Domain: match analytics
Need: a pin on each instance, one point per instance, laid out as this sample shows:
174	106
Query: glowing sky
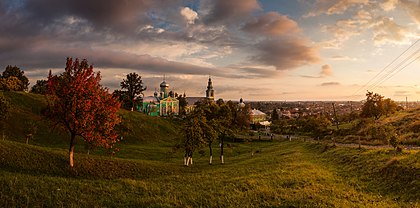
255	49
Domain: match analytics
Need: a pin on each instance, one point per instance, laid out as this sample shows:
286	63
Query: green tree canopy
374	106
275	115
40	87
14	71
389	106
134	87
182	104
10	84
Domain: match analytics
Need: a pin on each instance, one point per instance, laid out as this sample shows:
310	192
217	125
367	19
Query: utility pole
335	116
406	103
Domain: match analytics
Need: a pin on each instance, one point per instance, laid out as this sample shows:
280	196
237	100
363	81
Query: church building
209	96
162	104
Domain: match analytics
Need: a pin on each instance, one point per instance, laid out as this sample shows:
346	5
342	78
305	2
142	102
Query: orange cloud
286	54
326	70
273	24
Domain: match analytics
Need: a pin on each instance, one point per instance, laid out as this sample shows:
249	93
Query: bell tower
210	90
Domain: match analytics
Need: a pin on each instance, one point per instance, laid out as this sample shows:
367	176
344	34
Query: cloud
153	37
326	84
310	77
189	15
106	14
387	31
389	5
343	58
280	43
341	6
412	9
331	7
286	54
326	70
402	93
272	24
222	11
367	22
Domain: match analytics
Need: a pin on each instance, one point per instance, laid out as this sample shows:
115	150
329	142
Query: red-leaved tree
77	102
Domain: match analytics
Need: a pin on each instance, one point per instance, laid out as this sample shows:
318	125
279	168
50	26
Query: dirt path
405	147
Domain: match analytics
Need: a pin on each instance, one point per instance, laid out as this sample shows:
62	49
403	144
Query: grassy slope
149	172
278	174
27	107
406	124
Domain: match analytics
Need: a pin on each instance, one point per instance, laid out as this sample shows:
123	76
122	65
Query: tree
182	104
242	117
220	102
373	107
134	86
122	96
14	71
10	84
40	87
4	113
389	106
78	103
274	115
194	129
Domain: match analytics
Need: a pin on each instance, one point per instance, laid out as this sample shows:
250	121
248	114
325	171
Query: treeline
352	125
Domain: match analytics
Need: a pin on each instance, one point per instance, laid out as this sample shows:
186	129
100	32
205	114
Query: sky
273	50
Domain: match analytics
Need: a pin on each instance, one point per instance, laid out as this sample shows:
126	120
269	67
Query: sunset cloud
286	54
326	84
326	70
331	7
389	5
189	15
273	24
387	31
412	8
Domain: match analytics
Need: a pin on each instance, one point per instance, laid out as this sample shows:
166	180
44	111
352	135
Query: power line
383	69
398	71
380	81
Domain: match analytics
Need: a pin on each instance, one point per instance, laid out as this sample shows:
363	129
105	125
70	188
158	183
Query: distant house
257	116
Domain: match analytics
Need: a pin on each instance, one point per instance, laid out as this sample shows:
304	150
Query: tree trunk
186	158
71	150
132	105
211	154
221	151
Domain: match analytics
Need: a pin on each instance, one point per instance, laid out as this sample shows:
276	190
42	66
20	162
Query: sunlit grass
279	174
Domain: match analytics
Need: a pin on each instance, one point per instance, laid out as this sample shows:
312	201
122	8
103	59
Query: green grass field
148	171
259	174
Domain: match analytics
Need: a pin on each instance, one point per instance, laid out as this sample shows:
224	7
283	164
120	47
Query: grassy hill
148	170
406	124
283	174
27	107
